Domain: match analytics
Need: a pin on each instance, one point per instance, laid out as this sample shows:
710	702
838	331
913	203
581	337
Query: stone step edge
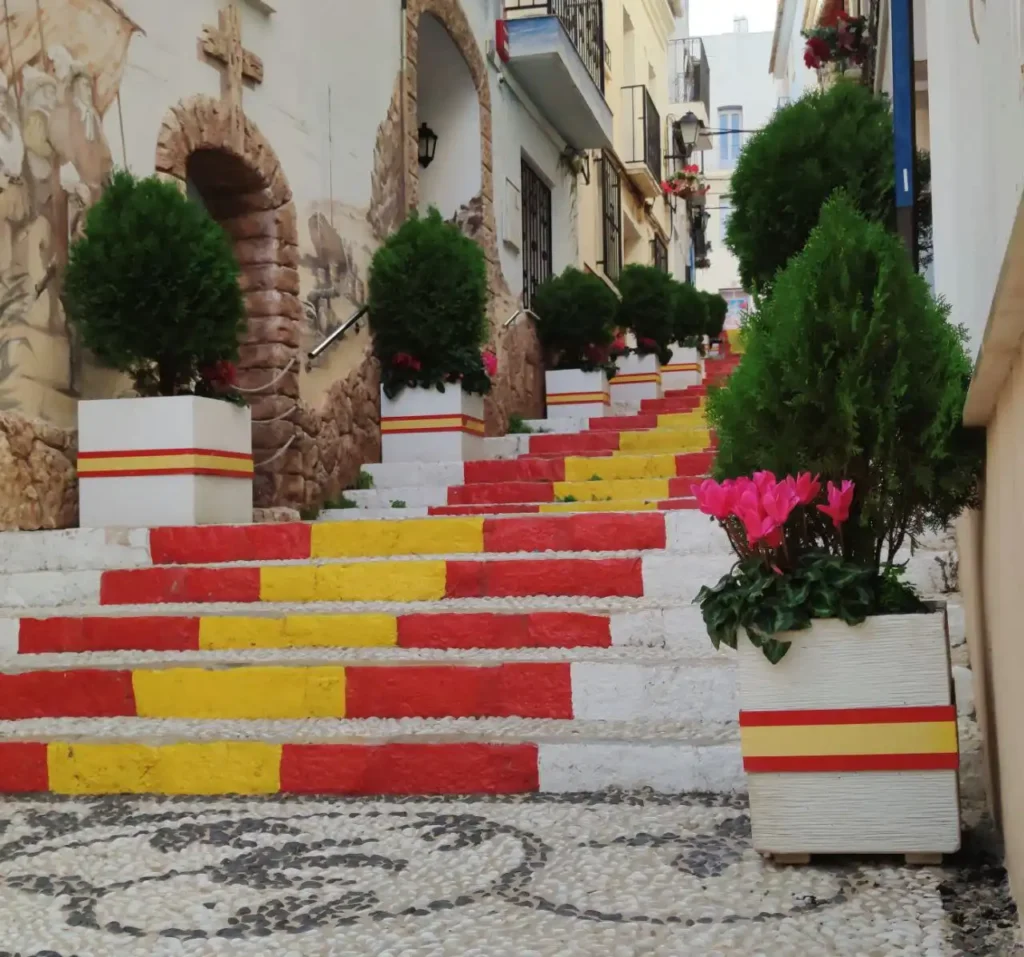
701	655
184	630
616	688
509	510
85	549
449	764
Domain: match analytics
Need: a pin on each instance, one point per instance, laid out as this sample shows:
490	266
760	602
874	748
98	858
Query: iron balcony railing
689	73
583	21
641	129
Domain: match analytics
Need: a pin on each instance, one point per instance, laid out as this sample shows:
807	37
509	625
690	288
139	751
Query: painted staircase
512	625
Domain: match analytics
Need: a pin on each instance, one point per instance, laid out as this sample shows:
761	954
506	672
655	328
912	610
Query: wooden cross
223	44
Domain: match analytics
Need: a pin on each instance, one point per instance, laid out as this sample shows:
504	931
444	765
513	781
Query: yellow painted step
408	537
584	469
613	506
663	440
643	489
220	767
366	581
298	631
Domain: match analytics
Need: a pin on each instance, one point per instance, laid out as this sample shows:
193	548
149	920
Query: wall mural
61	63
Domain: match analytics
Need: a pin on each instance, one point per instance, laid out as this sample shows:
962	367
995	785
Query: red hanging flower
402	360
222	374
490	361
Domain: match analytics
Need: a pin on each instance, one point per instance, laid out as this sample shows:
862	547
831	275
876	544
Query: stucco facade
299	134
976	91
636	38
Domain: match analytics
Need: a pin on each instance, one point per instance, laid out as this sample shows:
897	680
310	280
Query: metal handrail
338	333
520	312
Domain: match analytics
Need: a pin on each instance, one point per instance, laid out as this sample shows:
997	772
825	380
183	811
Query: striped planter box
573	392
178	460
684	369
638	378
850	743
424	425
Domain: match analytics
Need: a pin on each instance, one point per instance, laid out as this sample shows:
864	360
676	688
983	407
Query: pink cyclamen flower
714	499
839	501
490	361
764	480
805	486
778	502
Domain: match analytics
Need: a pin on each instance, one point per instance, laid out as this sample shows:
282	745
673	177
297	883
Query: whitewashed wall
977	140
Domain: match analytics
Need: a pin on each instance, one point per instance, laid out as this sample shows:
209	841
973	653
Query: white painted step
575	755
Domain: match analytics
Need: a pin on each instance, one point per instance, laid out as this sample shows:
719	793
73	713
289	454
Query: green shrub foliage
717	309
841	138
853	371
152	287
648	309
689	315
576	314
428	307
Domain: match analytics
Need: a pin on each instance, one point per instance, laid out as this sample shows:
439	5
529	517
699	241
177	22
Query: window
536	233
739	305
725	211
611	217
730	139
659	253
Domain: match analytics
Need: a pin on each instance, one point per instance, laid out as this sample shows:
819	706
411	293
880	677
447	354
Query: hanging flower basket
689	184
844	41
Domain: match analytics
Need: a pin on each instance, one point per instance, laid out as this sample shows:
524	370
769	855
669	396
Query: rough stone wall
38	483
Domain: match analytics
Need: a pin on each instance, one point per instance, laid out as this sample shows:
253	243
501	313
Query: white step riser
669	768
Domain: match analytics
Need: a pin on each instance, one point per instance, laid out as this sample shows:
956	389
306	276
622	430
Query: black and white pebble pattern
623	874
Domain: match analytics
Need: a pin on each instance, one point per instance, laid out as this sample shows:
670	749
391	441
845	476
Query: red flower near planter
402	360
648	345
221	375
490	361
618	346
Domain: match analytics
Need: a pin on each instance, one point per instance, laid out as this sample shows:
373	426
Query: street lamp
428	145
690	128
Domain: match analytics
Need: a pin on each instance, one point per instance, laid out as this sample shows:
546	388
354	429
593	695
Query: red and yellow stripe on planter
850	739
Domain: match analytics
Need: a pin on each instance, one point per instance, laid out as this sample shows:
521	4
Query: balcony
556	54
639	145
689	80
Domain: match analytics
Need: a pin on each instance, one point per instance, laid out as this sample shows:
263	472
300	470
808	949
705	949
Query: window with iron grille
659	253
536	233
611	217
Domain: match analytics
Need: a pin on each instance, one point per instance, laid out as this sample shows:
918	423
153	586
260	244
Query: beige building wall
636	41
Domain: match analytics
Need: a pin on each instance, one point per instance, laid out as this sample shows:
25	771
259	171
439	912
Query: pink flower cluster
764	503
490	361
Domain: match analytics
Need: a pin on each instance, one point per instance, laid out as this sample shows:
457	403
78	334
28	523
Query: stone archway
452	17
246	191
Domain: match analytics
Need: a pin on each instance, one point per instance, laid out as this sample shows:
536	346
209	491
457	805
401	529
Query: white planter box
850	742
176	460
424	425
638	378
685	368
575	393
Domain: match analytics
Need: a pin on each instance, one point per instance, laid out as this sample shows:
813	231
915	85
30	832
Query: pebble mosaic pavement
618	874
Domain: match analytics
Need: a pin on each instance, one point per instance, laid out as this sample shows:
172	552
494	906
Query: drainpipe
403	94
904	121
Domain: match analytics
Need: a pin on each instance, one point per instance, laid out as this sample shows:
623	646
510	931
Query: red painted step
535	468
444	631
624	423
669	406
671	504
583	577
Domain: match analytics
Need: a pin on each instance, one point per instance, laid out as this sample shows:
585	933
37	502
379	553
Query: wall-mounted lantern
428	145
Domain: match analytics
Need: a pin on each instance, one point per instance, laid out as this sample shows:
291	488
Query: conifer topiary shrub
648	309
689	316
428	307
717	309
152	287
841	138
576	314
853	371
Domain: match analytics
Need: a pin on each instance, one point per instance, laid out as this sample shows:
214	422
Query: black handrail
337	334
644	132
691	73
